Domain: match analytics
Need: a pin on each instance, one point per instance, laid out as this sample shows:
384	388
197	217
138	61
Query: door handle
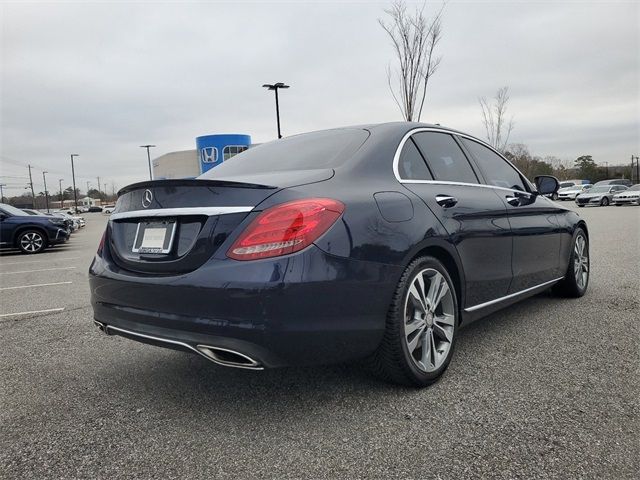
446	201
513	201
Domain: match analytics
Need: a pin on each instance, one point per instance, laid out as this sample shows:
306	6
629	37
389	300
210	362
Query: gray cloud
100	79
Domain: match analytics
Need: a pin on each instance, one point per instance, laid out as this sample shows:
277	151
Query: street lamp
275	88
46	194
73	175
148	158
60	184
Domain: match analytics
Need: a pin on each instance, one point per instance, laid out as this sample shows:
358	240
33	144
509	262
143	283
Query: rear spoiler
191	182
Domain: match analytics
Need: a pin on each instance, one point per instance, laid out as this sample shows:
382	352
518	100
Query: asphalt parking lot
548	388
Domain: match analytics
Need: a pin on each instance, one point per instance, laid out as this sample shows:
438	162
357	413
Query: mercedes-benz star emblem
147	198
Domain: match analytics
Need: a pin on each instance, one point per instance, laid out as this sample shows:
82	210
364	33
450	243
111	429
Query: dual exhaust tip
218	355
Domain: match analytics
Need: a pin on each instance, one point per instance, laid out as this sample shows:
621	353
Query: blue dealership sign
215	149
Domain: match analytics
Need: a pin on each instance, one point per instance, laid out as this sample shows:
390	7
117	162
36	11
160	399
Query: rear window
317	150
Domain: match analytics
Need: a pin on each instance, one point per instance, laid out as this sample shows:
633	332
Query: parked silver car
628	197
570	193
601	195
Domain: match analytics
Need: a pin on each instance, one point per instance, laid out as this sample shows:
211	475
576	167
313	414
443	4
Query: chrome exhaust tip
228	358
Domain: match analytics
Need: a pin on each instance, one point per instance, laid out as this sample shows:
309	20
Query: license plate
154	237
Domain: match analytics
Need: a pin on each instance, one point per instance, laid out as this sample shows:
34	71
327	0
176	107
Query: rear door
433	166
533	219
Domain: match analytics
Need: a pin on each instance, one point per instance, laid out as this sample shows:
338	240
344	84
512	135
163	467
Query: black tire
31	241
604	202
569	285
392	361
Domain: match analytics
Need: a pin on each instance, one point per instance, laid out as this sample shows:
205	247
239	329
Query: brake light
101	244
286	228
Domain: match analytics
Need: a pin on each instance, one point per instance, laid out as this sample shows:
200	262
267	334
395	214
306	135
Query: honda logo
209	154
147	198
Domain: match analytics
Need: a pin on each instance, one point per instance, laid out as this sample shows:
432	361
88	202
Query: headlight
57	223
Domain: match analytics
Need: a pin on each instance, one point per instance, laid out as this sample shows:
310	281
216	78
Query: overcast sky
100	79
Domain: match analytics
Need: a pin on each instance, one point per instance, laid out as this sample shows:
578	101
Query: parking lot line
39	270
38	261
36	285
48	310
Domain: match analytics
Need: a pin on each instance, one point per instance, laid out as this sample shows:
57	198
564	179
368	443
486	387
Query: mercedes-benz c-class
372	242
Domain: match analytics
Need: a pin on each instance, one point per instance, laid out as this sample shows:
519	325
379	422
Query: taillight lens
286	228
101	244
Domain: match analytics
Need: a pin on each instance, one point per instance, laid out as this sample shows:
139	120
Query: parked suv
30	233
615	181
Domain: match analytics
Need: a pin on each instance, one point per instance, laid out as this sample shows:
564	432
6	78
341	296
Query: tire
31	242
604	202
419	340
571	285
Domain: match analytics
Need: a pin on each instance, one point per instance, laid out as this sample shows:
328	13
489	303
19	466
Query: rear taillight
286	228
101	244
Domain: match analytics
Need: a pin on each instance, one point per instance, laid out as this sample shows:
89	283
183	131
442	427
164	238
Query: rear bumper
302	309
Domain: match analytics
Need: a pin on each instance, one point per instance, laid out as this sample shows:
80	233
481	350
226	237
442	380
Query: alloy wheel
429	320
31	242
581	261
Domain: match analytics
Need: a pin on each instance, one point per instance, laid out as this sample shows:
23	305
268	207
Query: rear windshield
317	150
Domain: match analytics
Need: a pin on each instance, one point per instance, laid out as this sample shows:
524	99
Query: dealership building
211	150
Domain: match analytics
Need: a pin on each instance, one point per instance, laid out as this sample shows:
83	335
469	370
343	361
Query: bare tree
494	118
414	39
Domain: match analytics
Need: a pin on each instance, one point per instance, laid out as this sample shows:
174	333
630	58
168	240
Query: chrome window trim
396	161
512	295
176	212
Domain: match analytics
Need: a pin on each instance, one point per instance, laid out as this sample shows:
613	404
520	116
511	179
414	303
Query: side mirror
546	184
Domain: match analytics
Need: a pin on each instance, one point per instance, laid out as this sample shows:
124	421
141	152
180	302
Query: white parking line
37	261
37	285
40	270
49	310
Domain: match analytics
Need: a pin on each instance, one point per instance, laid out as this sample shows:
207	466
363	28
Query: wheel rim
31	242
429	320
581	261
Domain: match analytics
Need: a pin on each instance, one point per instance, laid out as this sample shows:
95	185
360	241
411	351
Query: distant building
211	150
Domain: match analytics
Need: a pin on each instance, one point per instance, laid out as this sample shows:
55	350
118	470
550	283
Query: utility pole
637	168
148	158
46	194
73	175
33	194
99	185
61	200
88	182
1	192
275	88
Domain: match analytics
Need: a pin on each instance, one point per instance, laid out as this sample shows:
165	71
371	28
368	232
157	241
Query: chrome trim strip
176	212
507	297
106	329
396	160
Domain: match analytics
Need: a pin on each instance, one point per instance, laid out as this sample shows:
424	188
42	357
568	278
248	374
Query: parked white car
108	209
570	193
628	197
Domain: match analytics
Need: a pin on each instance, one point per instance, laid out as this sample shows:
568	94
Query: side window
411	165
496	169
231	151
444	157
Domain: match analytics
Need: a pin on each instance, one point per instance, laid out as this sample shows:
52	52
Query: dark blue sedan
374	242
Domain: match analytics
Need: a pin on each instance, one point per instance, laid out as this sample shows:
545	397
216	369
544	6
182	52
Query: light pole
275	88
60	184
73	175
1	192
148	158
46	194
637	167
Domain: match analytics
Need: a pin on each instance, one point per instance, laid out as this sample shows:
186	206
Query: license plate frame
169	227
